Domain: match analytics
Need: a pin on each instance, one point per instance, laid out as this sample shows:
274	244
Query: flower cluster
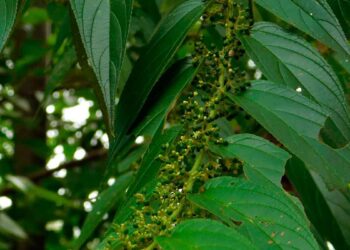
187	164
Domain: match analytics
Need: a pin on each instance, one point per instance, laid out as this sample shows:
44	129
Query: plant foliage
162	124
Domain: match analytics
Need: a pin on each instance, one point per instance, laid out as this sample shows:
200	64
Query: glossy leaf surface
204	234
289	60
264	160
314	17
266	215
296	122
103	26
153	62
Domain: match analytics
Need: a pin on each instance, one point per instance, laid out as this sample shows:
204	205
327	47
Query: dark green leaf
8	12
203	234
266	214
153	62
341	9
103	26
296	122
104	203
162	96
314	17
127	161
158	104
264	160
289	60
327	210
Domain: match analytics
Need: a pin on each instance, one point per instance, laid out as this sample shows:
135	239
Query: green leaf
8	12
327	210
284	109
151	8
264	161
103	26
10	228
131	158
158	104
104	203
296	122
341	9
152	63
151	164
204	234
162	96
289	60
313	17
264	213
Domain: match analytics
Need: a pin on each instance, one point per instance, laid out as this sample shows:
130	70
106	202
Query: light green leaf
153	62
9	227
103	26
264	160
287	59
8	12
296	122
313	17
204	234
104	203
264	213
327	210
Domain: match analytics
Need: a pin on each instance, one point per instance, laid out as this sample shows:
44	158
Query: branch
91	156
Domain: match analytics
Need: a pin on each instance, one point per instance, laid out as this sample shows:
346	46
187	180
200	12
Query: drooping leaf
8	12
289	60
204	234
104	203
264	213
327	210
296	122
313	17
103	26
153	62
264	160
9	227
